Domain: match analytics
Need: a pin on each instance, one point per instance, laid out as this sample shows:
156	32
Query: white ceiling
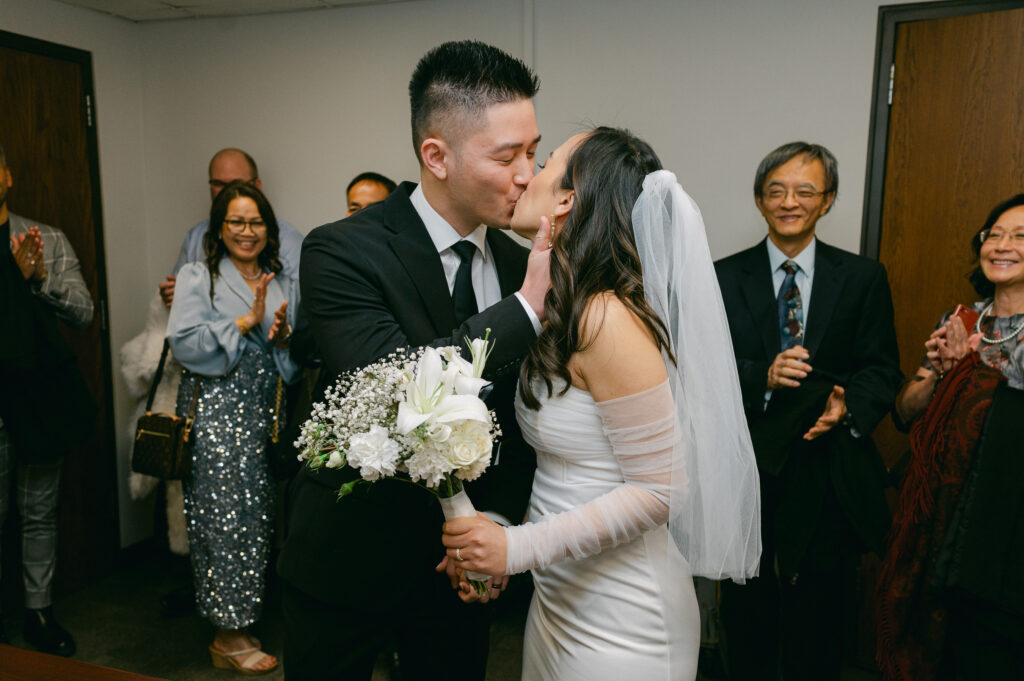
156	10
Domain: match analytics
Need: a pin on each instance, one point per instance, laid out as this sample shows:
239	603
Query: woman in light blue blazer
230	327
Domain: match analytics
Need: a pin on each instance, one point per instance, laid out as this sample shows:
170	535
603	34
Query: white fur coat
139	359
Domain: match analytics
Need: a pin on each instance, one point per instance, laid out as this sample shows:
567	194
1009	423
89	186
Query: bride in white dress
645	472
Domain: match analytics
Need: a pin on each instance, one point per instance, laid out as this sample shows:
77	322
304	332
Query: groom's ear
436	155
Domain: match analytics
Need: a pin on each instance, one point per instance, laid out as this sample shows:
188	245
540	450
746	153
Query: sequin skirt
229	497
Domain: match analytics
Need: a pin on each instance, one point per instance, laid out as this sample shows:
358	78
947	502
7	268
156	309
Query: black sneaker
44	633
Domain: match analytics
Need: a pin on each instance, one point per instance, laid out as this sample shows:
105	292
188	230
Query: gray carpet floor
117	622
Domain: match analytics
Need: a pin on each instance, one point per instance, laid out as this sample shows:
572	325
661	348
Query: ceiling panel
154	10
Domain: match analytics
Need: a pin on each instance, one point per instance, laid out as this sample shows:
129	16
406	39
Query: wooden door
48	134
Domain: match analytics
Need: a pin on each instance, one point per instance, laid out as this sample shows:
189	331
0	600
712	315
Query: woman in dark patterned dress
932	626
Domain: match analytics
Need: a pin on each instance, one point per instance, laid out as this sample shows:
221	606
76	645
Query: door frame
83	60
889	19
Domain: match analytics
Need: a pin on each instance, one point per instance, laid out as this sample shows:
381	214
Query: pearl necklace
249	277
996	341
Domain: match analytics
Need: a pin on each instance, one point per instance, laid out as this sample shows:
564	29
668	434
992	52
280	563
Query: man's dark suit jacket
371	284
852	343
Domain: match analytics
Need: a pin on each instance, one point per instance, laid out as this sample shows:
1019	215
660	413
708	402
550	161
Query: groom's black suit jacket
852	342
373	283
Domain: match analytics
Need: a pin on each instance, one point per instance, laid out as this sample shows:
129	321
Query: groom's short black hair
455	82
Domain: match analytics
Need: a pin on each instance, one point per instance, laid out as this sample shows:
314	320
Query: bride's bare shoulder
619	355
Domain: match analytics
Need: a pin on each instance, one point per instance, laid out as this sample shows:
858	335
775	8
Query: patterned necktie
791	308
463	296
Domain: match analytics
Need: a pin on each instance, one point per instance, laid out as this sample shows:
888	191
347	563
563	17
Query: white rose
438	432
469	444
335	460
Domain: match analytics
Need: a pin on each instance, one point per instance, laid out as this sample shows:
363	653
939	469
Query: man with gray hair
812	331
45	406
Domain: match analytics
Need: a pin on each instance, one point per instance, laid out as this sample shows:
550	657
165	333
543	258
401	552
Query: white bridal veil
714	512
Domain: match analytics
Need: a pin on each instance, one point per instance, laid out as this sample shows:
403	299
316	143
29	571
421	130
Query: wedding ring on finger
458	555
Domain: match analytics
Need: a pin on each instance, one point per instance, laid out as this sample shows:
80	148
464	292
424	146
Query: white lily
463	378
429	397
480	350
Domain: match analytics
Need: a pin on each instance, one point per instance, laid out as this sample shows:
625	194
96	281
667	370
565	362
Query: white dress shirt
484	271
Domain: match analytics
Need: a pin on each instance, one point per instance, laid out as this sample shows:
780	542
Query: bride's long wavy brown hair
593	253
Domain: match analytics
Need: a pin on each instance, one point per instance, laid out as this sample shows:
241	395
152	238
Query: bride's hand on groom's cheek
538	270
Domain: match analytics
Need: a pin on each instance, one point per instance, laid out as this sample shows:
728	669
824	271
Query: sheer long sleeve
642	430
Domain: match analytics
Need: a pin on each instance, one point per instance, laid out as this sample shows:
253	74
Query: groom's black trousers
437	636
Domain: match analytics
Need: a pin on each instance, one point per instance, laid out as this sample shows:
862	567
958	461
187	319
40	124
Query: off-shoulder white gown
626	613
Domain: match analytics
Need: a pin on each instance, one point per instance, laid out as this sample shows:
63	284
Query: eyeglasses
802	194
220	184
994	237
238	225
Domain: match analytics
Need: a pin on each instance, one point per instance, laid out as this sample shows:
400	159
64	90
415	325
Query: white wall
316	97
714	85
319	96
117	75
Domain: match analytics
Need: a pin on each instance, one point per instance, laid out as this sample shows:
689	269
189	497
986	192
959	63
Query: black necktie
791	308
463	296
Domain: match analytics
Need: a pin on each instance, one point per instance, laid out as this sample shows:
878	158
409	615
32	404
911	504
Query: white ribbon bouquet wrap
416	413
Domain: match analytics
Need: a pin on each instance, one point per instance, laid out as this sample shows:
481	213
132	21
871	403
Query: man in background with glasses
812	331
227	166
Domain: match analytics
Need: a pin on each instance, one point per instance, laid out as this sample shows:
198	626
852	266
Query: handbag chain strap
191	418
275	425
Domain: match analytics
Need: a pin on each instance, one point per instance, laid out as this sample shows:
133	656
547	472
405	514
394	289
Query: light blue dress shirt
202	331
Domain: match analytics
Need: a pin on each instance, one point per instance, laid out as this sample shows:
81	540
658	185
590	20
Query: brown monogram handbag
162	440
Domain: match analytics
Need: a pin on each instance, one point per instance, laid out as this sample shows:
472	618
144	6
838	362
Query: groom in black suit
812	329
420	268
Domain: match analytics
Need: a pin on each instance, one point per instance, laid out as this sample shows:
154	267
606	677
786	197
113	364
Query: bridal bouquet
416	413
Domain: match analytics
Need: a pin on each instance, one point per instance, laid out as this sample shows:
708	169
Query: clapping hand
281	332
27	250
254	317
835	411
789	368
948	344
